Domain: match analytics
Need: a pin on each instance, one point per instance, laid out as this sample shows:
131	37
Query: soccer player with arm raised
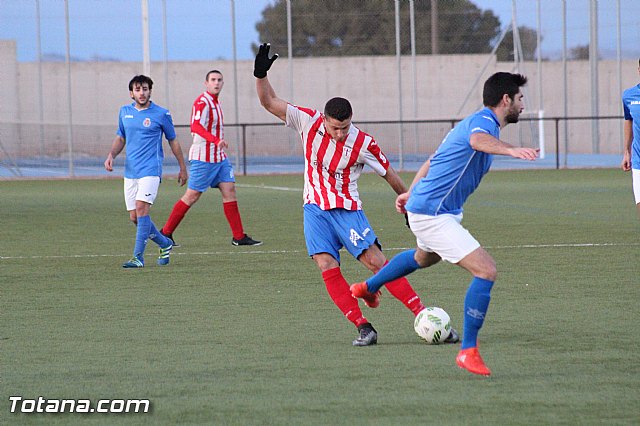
140	128
335	153
434	207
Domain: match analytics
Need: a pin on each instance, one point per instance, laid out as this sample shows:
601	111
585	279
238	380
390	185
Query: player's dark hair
140	79
206	78
499	84
338	108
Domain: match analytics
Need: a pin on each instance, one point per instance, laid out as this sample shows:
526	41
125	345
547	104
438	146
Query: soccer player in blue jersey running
140	127
434	207
631	156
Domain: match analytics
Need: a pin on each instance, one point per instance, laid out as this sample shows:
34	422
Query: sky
201	29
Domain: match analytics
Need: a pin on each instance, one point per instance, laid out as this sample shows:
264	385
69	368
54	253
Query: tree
580	52
528	40
367	27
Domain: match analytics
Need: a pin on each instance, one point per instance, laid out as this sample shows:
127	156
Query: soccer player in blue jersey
631	156
140	128
434	207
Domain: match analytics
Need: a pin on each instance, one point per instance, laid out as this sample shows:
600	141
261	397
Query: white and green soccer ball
432	325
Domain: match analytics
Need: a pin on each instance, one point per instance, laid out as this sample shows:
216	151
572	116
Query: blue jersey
631	104
142	132
456	168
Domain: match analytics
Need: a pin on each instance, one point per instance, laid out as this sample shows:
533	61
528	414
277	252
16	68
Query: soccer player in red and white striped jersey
335	153
209	166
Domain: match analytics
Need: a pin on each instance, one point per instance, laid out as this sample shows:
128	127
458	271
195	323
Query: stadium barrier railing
43	150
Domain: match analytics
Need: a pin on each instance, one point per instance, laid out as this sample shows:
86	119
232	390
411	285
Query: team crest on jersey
355	237
146	122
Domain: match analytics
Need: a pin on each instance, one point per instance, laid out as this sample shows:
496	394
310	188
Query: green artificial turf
249	336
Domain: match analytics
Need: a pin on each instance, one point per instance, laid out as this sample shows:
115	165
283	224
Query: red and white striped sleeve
200	120
298	118
373	156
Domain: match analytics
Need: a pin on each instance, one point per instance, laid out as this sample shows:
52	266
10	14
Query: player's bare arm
422	172
401	201
268	98
116	148
486	143
395	181
177	152
628	138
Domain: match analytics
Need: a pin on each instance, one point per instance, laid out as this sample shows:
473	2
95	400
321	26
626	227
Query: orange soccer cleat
361	291
470	360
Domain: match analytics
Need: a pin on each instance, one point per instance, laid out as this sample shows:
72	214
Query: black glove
406	220
263	62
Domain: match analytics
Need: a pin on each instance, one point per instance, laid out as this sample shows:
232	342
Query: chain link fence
410	68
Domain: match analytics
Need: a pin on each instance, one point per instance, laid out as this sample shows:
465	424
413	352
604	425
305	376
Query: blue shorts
327	231
203	175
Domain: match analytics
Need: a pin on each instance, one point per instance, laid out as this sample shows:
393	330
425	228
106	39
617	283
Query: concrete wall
100	88
9	106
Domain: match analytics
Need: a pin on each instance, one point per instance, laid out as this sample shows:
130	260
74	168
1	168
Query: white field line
542	246
217	253
275	188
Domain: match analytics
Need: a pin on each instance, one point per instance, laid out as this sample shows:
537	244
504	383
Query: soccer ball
432	325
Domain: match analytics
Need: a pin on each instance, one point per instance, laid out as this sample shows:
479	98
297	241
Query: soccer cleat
452	337
163	259
470	360
245	241
361	291
368	335
170	236
134	262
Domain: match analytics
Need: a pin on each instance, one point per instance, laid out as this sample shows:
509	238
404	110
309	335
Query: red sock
233	217
402	290
338	289
179	210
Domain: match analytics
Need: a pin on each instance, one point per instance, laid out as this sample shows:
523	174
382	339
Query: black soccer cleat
170	236
245	241
368	335
452	337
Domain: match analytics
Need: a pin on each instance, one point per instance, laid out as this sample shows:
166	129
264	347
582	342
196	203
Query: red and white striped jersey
332	168
207	128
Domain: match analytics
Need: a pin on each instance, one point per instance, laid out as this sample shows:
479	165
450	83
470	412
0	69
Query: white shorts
636	184
143	189
443	235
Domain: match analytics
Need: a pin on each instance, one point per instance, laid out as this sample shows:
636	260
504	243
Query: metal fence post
557	120
244	149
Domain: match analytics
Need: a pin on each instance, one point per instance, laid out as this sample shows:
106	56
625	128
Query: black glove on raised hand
263	62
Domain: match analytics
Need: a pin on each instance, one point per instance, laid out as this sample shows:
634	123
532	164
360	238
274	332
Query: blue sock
157	237
142	234
476	303
401	265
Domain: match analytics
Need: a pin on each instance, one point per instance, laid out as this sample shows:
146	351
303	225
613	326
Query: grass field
232	335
